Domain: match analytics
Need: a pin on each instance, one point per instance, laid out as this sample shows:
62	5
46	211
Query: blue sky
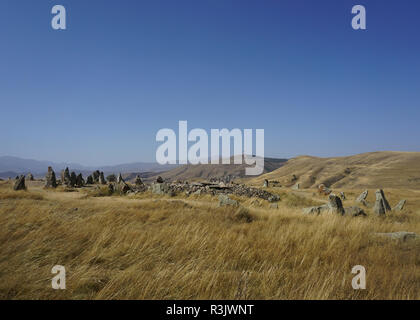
98	92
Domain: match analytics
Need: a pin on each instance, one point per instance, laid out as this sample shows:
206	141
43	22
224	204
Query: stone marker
400	235
20	184
51	181
265	183
102	178
362	196
335	205
30	177
138	181
399	206
381	204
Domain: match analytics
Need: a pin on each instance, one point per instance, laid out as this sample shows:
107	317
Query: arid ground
149	246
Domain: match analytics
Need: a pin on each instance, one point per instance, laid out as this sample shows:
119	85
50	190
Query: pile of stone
161	187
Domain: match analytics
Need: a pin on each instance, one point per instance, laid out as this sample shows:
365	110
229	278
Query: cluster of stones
161	187
72	180
335	205
121	187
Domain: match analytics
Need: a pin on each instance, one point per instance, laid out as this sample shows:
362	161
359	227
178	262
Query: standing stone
65	176
120	179
342	196
80	182
335	205
51	181
381	204
159	179
20	184
265	183
399	206
102	178
362	196
30	177
95	176
138	181
73	180
89	180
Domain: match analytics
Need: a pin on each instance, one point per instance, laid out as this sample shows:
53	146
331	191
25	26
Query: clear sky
98	92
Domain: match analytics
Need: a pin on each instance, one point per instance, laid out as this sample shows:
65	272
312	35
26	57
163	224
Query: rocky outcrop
20	184
50	180
381	206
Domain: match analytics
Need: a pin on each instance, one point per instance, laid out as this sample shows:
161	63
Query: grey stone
399	206
400	235
296	186
265	183
381	206
120	179
138	181
73	180
362	196
102	178
342	196
159	179
30	177
50	180
354	212
89	180
80	182
315	210
20	184
335	205
224	200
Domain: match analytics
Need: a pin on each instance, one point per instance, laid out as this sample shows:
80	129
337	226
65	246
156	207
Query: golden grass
153	247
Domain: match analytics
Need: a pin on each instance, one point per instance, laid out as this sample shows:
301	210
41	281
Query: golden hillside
367	170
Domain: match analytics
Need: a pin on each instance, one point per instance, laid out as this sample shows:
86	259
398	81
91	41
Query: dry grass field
159	247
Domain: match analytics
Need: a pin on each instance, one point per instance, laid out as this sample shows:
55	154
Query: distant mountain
208	171
13	166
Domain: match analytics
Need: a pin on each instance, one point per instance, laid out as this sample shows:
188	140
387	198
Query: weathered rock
120	178
342	196
20	184
65	176
274	206
315	210
362	196
111	178
101	178
96	175
50	180
400	235
80	182
138	181
160	188
159	179
73	180
89	180
381	206
296	186
30	177
354	212
224	200
335	205
265	183
399	206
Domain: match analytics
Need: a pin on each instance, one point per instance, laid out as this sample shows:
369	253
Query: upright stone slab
50	180
20	184
381	206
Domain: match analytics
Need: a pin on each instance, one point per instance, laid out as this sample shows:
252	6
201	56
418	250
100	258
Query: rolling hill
368	170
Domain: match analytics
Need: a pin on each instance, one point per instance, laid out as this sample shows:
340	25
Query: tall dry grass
153	247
